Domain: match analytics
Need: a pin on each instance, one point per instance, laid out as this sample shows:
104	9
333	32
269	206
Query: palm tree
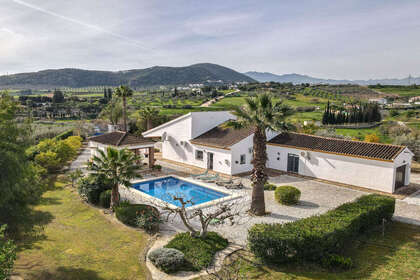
112	111
118	167
261	113
124	92
148	114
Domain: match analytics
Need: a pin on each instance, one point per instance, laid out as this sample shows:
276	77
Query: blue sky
327	39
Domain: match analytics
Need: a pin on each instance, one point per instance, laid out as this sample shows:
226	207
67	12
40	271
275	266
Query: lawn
394	256
75	241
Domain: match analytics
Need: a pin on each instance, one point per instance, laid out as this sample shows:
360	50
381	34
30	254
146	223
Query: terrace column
151	156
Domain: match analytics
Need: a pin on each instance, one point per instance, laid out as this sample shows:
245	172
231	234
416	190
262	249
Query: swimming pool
168	187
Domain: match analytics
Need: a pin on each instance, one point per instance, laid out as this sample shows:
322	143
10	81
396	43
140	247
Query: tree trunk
149	123
258	176
115	197
125	113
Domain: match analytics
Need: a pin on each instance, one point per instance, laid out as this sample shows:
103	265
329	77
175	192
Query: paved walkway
81	160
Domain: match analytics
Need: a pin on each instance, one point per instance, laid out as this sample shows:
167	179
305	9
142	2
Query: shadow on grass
66	273
373	255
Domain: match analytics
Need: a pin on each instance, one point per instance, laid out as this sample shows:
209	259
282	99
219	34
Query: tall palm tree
261	113
113	111
149	114
124	92
118	167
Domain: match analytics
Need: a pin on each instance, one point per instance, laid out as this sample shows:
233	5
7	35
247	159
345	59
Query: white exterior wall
242	148
221	159
373	174
404	158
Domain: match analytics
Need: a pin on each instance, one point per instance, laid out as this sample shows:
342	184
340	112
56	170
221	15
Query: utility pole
409	79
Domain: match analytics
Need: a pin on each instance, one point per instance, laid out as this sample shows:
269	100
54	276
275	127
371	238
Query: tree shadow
306	205
31	228
49	201
66	273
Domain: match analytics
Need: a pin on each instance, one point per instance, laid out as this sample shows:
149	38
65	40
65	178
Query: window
243	159
199	155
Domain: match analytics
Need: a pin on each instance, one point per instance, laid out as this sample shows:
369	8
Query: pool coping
230	195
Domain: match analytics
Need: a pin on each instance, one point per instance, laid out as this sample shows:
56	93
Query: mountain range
148	77
298	79
170	76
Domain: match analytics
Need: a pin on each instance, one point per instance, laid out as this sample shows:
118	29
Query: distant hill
153	76
298	79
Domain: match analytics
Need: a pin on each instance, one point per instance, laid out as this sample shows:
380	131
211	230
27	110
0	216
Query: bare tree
217	214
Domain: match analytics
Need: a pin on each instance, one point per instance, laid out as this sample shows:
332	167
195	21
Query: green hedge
287	195
198	252
269	187
127	213
319	236
64	135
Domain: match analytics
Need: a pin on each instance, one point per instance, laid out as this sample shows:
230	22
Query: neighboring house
200	139
414	99
123	140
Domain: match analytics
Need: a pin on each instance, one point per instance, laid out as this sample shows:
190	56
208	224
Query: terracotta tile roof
338	146
120	138
220	137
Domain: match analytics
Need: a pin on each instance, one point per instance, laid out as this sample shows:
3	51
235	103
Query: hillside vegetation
154	76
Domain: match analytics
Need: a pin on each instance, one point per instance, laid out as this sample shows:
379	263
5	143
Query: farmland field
401	91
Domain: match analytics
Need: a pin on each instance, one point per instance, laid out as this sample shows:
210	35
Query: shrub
167	259
319	236
157	167
7	254
64	135
48	160
105	199
334	261
198	252
128	213
91	187
148	220
269	187
287	195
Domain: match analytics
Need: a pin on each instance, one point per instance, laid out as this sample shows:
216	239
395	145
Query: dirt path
208	103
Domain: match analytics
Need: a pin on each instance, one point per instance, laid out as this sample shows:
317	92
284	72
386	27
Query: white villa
199	139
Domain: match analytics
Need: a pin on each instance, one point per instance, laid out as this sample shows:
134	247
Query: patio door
400	177
210	161
292	163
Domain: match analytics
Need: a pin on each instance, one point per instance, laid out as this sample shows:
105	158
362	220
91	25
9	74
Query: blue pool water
168	187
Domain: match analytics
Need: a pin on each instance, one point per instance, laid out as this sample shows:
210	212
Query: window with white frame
199	155
243	159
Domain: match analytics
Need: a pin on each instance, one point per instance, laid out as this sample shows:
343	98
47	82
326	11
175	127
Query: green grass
394	256
401	91
76	241
362	132
198	252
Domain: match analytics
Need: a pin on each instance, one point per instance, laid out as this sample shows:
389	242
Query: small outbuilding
123	140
